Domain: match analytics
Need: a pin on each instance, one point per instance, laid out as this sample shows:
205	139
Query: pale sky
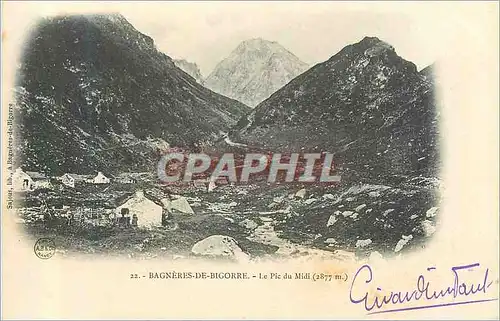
206	32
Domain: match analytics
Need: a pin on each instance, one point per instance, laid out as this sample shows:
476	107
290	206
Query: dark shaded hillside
428	72
366	104
95	93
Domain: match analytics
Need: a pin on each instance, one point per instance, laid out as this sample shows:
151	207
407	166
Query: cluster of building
30	181
139	209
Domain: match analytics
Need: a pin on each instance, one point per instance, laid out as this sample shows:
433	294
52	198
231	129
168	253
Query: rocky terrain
287	221
95	93
254	71
191	69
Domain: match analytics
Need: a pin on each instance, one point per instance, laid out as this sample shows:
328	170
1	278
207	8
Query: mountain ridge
366	104
95	93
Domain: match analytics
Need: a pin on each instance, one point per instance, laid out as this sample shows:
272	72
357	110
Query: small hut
147	210
100	178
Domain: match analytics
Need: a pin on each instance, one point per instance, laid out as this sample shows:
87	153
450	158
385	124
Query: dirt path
228	141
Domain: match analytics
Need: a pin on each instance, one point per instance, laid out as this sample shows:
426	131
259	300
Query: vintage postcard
250	160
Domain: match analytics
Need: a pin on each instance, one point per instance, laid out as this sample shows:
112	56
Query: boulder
249	224
310	201
328	197
360	207
386	212
363	243
211	186
180	205
330	240
428	227
347	213
332	220
301	193
431	212
219	246
402	242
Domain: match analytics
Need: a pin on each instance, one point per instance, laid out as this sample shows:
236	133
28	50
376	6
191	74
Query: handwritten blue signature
423	291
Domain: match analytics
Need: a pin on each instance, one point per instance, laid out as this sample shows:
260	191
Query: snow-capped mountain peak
191	69
255	70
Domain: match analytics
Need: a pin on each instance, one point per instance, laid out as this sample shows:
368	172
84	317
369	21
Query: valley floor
266	222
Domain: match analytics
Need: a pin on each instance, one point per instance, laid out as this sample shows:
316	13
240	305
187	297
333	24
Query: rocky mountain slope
191	69
428	72
254	71
369	106
95	93
377	114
